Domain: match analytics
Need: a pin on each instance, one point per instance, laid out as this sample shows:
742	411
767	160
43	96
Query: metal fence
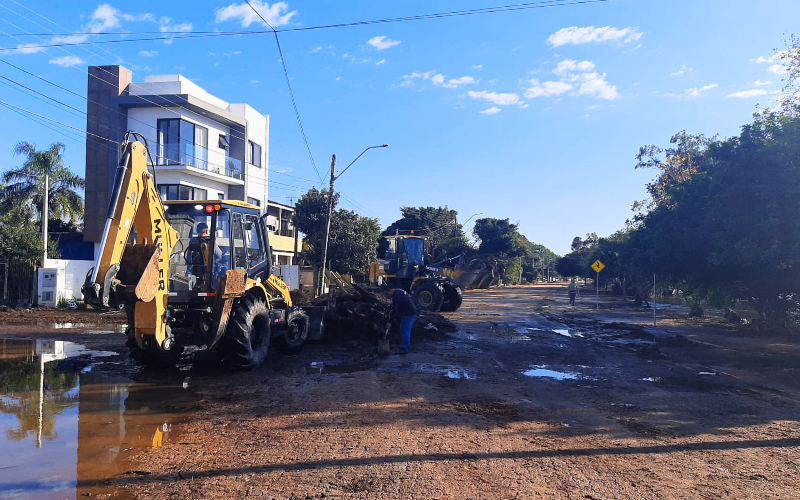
16	283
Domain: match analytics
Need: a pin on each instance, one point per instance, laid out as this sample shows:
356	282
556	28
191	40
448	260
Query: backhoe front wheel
248	333
428	296
294	336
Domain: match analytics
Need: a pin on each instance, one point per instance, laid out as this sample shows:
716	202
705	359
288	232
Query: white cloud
253	81
776	69
595	84
67	61
491	111
433	76
181	27
382	61
404	84
771	59
104	18
577	36
148	53
759	83
546	89
681	71
695	92
744	94
382	42
276	14
569	65
477	66
454	83
315	49
28	48
496	98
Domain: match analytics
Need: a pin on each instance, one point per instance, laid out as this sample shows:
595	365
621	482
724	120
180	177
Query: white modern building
203	146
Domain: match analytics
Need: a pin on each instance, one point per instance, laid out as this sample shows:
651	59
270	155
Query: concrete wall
256	185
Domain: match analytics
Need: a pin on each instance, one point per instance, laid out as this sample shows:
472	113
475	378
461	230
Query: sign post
597	266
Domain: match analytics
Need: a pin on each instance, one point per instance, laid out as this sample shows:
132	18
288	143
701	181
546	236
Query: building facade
204	148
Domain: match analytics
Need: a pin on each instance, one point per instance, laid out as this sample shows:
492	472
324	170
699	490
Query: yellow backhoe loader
192	273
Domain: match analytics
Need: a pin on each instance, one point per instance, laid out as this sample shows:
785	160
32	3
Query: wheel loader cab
214	236
404	256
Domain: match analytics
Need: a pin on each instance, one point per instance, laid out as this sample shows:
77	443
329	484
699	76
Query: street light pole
334	177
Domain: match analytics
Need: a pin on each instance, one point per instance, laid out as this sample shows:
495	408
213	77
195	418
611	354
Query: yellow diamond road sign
598	266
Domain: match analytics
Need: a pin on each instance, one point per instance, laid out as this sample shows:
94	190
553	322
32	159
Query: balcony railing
199	159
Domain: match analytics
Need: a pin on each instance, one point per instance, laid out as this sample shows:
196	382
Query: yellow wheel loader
192	273
403	267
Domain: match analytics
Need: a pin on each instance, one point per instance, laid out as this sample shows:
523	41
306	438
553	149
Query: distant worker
573	291
403	309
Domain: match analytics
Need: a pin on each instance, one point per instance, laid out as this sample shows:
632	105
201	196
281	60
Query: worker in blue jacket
403	309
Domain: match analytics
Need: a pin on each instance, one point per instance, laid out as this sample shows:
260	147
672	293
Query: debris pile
358	311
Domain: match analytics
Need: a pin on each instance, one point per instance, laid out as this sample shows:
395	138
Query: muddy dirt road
528	399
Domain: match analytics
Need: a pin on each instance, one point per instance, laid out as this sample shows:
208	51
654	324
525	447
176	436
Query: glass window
220	196
223	142
169	139
201	147
255	154
184	193
254	201
200	194
192	256
247	242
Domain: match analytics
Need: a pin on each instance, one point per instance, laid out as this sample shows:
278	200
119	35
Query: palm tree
25	185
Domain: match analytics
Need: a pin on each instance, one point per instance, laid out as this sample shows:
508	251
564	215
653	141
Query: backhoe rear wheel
248	333
295	335
452	297
428	296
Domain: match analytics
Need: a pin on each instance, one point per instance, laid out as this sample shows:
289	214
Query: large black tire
452	297
294	336
428	296
248	334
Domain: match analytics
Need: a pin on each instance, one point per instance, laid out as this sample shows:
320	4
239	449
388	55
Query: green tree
353	238
731	226
25	185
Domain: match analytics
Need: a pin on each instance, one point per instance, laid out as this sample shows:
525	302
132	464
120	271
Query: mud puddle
71	417
96	328
449	371
541	371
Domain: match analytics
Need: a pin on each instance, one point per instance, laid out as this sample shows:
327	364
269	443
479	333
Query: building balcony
198	159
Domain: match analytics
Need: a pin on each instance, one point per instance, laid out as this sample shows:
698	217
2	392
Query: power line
205	34
291	93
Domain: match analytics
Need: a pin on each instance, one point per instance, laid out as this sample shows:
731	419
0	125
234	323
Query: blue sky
533	115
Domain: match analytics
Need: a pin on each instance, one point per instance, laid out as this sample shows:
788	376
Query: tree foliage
721	220
25	185
353	238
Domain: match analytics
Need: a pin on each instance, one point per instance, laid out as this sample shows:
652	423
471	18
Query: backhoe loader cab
192	273
403	267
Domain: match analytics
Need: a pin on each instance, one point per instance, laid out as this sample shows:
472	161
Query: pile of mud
359	312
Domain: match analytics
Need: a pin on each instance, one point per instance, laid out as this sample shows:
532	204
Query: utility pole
45	216
330	209
328	228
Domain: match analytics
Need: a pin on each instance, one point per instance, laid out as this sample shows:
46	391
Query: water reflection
69	429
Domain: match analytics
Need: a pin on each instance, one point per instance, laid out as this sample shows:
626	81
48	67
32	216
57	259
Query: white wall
256	185
71	276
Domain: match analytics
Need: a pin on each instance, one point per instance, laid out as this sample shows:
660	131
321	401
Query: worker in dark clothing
403	309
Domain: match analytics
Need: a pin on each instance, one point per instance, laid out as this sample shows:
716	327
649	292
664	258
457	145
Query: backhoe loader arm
135	274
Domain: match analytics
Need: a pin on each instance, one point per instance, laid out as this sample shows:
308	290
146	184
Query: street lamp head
384	145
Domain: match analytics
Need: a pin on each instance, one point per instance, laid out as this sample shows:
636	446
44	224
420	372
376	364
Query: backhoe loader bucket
138	272
316	322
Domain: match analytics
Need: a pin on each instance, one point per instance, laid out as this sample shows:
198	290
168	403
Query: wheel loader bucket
316	322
